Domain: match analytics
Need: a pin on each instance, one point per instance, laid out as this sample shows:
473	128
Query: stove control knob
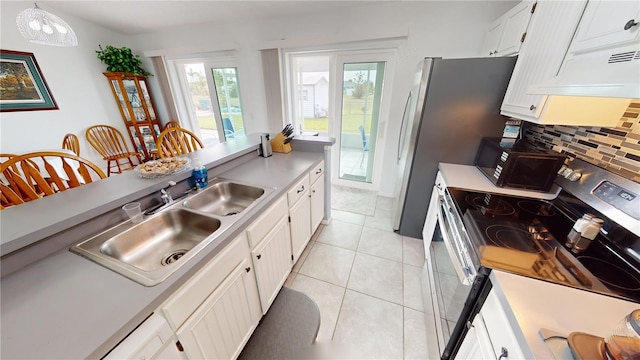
575	176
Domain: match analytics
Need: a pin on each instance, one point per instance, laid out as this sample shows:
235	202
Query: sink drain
173	257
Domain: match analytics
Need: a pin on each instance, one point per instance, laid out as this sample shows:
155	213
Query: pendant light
42	27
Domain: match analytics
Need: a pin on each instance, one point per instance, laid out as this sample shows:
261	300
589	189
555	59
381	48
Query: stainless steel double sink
149	251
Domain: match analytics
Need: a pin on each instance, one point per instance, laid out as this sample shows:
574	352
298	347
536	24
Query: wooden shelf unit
138	112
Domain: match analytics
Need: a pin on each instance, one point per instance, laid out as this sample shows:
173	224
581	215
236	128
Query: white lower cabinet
306	209
476	344
272	260
299	216
490	336
222	325
216	311
317	203
503	338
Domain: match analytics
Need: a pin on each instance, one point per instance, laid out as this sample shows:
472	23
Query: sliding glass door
344	95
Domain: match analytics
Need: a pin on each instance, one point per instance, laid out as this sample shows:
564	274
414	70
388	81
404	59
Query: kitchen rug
287	330
353	200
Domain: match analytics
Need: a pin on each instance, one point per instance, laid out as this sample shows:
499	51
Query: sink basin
224	198
161	240
148	252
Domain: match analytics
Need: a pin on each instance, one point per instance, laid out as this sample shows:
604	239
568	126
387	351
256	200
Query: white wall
74	76
435	28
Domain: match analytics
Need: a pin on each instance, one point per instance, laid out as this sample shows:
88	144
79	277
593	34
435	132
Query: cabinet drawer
189	297
316	173
300	189
500	331
259	228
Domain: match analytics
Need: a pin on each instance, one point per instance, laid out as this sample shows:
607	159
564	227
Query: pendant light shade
42	27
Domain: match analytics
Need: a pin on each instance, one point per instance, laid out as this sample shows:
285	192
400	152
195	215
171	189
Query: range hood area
610	73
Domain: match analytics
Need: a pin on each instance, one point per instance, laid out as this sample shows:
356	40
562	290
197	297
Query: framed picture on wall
22	86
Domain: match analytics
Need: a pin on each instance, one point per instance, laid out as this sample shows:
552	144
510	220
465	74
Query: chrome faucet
165	195
166	198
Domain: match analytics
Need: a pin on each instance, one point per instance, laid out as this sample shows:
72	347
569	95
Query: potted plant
121	60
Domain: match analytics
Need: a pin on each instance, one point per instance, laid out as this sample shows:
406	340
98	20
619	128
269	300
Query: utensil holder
278	145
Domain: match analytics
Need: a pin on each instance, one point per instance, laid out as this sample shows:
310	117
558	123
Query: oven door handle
452	249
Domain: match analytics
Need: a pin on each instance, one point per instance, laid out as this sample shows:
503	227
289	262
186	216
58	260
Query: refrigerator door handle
404	116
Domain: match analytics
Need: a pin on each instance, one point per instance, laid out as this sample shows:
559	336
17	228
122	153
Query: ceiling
143	16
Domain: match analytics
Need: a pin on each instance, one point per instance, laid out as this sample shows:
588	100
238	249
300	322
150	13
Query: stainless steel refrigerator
452	105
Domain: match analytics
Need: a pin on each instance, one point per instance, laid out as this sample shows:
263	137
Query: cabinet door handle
469	325
631	23
491	53
532	107
258	256
319	171
301	189
247	269
504	353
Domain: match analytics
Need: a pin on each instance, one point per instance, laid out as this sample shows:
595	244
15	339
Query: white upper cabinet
492	38
506	34
549	35
606	24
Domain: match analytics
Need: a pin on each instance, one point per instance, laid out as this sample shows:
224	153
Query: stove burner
514	238
490	205
610	274
537	208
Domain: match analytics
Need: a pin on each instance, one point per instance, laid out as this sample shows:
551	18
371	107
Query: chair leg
108	168
119	169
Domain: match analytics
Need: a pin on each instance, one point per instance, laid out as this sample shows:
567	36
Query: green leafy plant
121	60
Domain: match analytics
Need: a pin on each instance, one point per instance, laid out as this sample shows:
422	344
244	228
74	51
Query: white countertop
469	177
532	304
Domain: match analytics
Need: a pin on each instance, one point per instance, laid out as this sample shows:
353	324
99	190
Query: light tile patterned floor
365	280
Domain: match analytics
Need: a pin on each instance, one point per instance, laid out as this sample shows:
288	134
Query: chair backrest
365	145
171	124
177	141
107	140
22	179
70	142
227	125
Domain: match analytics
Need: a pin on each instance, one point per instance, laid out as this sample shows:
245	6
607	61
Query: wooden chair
177	141
23	181
70	142
109	143
171	124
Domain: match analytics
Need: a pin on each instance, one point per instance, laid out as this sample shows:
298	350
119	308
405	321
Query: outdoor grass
351	119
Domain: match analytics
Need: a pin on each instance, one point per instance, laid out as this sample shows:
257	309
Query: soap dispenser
200	176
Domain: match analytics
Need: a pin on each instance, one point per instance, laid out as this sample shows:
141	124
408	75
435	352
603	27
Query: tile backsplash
617	148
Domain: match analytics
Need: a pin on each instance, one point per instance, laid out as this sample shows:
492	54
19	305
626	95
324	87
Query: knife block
278	145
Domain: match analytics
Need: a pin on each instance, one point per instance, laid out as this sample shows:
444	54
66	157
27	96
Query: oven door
444	278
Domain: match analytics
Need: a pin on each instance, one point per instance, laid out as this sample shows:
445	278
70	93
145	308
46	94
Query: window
208	96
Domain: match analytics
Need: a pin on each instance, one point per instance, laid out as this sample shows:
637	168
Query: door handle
406	105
